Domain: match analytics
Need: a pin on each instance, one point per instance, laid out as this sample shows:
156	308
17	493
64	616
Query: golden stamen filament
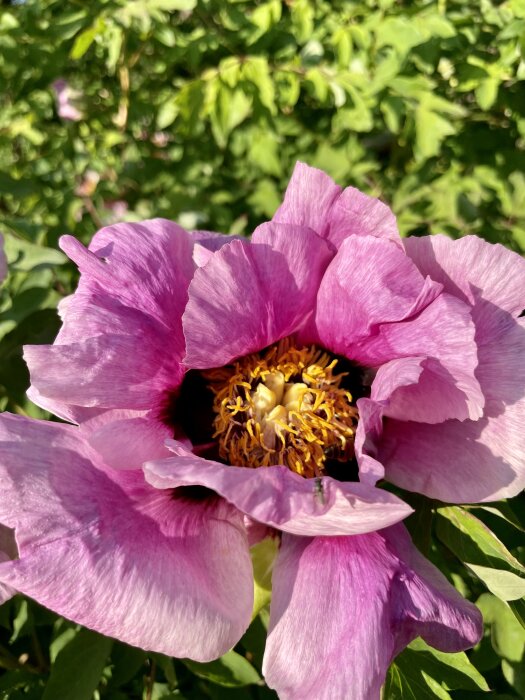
284	406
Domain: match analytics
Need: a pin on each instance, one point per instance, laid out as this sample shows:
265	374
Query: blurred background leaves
196	110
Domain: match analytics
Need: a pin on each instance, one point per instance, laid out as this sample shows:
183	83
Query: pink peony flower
66	97
322	349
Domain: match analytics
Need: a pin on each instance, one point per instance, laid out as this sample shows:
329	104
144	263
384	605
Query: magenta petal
420	389
106	371
154	569
250	295
121	342
308	199
355	213
472	269
68	412
313	199
126	439
207	243
343	607
282	499
146	266
472	461
483	460
369	282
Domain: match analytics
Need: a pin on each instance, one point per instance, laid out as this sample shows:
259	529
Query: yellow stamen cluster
283	406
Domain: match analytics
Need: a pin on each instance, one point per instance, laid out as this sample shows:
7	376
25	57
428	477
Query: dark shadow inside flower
193	493
8	545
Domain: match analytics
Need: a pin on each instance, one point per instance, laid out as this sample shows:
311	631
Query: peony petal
250	295
308	199
475	460
355	213
282	499
121	342
159	570
146	266
68	412
110	371
472	269
127	439
343	607
420	389
443	332
313	199
369	282
207	243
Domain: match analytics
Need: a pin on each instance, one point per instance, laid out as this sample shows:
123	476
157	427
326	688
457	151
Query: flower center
285	405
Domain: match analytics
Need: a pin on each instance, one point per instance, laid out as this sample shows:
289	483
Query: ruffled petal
109	371
145	266
472	461
473	270
369	282
8	552
308	199
421	389
313	199
121	341
282	499
343	607
207	243
126	439
160	570
355	213
250	295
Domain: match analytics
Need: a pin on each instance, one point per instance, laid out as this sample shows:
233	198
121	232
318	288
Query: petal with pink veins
162	570
281	498
343	607
313	199
121	341
126	439
308	199
249	295
369	282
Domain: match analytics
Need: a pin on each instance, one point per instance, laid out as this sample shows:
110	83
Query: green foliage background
196	110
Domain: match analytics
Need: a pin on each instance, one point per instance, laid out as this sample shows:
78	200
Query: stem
150	680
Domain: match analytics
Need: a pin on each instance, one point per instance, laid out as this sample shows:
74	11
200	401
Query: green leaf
167	113
454	671
302	19
232	670
423	672
507	635
256	70
481	551
407	683
25	257
431	130
263	556
77	670
86	38
172	5
518	608
487	92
